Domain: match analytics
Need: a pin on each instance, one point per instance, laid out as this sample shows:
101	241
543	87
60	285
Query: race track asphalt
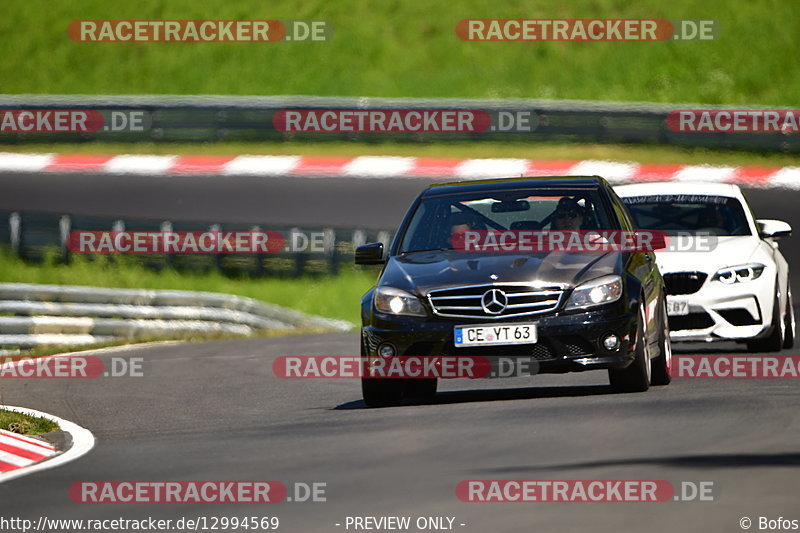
216	411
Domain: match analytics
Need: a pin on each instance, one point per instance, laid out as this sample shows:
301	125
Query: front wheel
773	342
381	392
788	339
421	389
661	364
636	376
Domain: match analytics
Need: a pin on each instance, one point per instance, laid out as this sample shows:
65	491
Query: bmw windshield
689	213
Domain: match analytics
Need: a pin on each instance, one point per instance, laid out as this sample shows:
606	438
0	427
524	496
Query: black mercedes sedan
521	273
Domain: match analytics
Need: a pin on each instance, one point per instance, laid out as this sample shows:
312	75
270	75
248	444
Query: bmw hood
725	252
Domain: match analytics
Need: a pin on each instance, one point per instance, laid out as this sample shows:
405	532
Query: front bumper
566	342
725	312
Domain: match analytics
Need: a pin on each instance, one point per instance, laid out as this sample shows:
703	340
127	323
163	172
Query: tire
789	330
774	341
661	364
422	389
636	376
381	392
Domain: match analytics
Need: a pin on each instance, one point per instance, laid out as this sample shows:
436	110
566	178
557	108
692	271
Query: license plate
495	334
677	307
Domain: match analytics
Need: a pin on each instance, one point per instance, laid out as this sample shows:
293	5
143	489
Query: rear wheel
661	364
774	341
636	376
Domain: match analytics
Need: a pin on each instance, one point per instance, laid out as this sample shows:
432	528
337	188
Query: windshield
689	213
437	219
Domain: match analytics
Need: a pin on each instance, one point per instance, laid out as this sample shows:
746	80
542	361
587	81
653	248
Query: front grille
542	352
701	320
421	349
538	351
520	300
578	347
684	282
546	349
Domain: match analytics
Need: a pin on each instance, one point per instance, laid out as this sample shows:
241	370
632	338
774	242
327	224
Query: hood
729	251
422	271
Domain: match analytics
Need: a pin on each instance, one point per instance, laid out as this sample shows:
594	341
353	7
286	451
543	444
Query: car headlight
739	274
397	302
596	292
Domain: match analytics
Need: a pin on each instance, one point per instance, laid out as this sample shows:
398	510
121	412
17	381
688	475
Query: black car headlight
397	302
739	274
595	292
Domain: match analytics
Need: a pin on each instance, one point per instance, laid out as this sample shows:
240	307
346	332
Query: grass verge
410	49
25	424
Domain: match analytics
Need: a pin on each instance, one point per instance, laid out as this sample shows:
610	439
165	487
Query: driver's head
459	222
568	215
711	216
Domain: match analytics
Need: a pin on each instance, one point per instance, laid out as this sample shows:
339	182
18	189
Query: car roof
679	187
544	182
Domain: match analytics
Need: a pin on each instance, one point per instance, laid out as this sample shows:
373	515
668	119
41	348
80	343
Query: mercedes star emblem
494	301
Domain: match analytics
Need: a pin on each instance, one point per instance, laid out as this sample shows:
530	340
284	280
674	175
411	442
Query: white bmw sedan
725	276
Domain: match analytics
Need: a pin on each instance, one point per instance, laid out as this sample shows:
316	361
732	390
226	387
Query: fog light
611	342
386	350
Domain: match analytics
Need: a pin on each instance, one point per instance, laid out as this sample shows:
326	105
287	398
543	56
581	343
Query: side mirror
370	254
773	228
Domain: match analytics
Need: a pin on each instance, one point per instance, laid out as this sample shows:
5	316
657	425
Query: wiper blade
428	250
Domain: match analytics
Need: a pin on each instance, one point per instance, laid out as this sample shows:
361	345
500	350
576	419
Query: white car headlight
596	292
738	274
397	302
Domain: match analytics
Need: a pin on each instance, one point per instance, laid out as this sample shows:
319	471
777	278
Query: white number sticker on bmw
677	307
495	334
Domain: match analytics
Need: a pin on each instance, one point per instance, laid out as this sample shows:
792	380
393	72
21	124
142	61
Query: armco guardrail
57	314
230	118
32	235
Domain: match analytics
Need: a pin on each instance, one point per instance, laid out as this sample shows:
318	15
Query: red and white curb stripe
17	451
21	455
395	167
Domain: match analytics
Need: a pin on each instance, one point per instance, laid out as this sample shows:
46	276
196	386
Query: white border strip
616	172
82	442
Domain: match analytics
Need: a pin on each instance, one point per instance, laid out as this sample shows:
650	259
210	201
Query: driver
459	223
568	215
711	217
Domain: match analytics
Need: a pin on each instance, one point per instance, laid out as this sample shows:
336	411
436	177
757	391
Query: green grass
525	150
25	424
410	48
334	297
